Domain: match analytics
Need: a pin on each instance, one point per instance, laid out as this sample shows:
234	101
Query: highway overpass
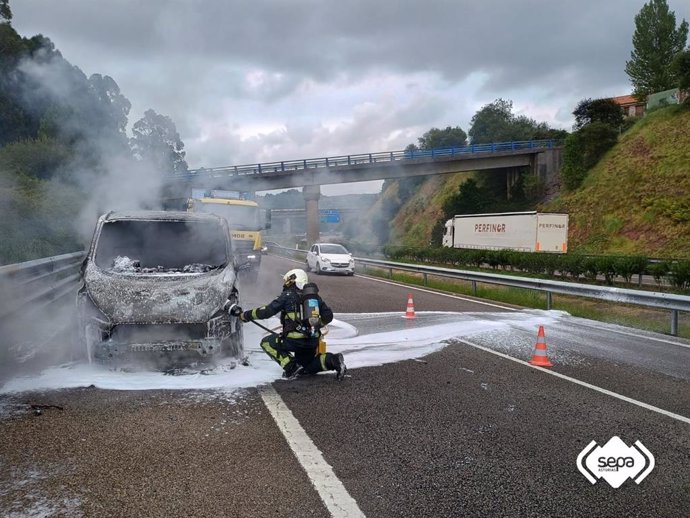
540	157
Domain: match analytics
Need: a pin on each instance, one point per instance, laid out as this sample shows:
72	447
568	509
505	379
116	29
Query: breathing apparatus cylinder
310	306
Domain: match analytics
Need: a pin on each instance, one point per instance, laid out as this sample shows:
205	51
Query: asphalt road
461	432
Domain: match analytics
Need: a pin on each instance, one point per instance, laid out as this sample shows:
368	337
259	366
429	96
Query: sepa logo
615	462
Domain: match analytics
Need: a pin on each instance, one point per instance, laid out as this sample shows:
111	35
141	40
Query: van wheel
318	268
307	267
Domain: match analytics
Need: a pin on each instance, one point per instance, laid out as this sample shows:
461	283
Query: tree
437	138
492	123
598	110
155	140
656	42
496	122
681	68
471	198
115	104
5	11
111	108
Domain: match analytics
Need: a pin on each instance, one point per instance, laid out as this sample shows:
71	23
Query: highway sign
329	215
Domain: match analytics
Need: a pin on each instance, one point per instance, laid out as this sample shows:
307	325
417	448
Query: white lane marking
582	383
334	495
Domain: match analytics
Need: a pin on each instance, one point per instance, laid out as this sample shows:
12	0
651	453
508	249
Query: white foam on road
365	340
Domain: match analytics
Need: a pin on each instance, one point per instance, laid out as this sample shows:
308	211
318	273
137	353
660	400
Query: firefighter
302	314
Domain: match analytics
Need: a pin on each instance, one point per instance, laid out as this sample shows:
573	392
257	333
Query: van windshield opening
162	246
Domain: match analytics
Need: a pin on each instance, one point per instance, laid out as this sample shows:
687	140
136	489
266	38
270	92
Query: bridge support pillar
512	177
311	194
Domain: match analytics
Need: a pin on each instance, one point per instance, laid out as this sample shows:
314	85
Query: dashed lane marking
332	492
627	399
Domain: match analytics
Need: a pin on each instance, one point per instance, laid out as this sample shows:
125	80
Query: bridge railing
289	166
667	301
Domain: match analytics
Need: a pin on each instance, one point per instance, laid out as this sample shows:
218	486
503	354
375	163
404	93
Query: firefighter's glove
235	310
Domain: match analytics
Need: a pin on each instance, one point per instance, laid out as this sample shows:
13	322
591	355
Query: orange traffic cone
409	313
539	357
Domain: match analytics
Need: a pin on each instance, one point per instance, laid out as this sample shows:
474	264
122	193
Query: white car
329	257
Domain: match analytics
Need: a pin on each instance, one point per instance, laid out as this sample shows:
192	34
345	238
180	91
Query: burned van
156	286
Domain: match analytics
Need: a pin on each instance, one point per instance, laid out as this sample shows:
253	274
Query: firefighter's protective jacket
289	305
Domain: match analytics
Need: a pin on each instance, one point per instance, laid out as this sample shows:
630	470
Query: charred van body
155	286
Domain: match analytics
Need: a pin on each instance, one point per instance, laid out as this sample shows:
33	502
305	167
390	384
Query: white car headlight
326	260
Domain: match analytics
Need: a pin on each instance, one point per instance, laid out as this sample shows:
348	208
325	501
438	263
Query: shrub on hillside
679	274
590	268
626	267
572	265
659	271
606	266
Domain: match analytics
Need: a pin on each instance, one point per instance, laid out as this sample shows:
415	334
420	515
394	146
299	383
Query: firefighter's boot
339	366
292	369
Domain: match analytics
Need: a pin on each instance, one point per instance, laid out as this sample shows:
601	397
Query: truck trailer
522	231
245	218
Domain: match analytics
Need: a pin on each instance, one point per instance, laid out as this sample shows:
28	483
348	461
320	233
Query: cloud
249	81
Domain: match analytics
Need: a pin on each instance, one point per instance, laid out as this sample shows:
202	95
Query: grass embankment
634	316
636	200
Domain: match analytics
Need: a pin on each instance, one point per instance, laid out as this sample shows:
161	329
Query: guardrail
673	303
36	311
38	283
288	166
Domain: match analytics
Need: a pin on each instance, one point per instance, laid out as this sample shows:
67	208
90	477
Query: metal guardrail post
426	280
474	288
549	300
674	322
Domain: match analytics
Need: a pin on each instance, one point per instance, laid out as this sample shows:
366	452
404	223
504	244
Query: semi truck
522	231
245	219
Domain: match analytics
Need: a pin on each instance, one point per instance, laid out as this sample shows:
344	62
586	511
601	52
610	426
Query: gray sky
274	80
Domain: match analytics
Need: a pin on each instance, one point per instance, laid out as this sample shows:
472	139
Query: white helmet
297	277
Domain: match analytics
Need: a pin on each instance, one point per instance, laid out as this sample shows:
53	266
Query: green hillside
412	224
636	200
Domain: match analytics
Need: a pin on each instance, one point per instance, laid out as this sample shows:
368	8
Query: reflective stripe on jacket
288	304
